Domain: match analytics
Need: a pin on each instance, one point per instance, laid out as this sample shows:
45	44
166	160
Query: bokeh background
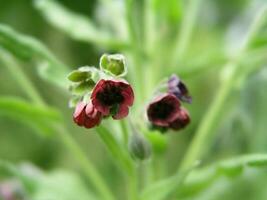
218	32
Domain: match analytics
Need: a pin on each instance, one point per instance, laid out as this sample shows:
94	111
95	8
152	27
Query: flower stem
125	131
186	30
67	139
205	131
89	170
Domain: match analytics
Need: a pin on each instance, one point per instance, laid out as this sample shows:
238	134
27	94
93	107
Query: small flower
181	121
163	110
113	97
179	89
86	115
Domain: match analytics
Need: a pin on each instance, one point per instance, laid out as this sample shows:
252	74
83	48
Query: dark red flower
113	97
181	121
163	110
86	115
179	89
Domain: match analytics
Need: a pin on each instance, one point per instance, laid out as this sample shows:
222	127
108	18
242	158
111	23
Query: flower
86	115
113	97
179	89
181	121
163	110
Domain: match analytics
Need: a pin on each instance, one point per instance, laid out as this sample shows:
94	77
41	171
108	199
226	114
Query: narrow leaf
201	179
28	48
76	26
38	117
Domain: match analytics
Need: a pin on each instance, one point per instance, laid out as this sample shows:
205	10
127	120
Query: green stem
186	31
124	130
120	156
67	140
133	186
88	168
205	131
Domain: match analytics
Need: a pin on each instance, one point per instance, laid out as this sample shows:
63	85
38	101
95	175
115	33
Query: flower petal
122	112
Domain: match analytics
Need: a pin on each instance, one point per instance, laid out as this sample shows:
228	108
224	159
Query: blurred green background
218	32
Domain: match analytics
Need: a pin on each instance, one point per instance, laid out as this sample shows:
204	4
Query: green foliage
200	179
75	25
55	185
38	117
28	48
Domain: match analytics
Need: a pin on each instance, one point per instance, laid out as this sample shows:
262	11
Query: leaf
28	48
201	179
55	185
61	185
74	25
38	117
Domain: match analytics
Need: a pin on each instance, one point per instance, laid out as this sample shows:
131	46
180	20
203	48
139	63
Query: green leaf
78	76
61	185
201	179
55	185
28	48
41	118
74	25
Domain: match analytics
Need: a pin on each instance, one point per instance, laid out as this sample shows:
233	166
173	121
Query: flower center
110	95
162	110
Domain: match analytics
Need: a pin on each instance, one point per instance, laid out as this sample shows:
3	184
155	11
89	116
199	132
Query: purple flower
179	89
113	97
86	115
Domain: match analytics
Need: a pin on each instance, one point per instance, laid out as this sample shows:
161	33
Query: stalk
89	170
205	131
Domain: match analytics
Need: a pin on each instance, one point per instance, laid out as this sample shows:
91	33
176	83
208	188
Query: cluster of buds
100	93
165	110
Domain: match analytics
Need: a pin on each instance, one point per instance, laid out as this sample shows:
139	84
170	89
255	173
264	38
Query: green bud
139	147
113	64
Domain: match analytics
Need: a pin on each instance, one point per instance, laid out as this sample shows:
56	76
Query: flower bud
139	147
179	89
113	64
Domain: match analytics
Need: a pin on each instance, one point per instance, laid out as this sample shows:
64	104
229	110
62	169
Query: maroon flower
181	121
86	115
179	89
113	97
163	110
